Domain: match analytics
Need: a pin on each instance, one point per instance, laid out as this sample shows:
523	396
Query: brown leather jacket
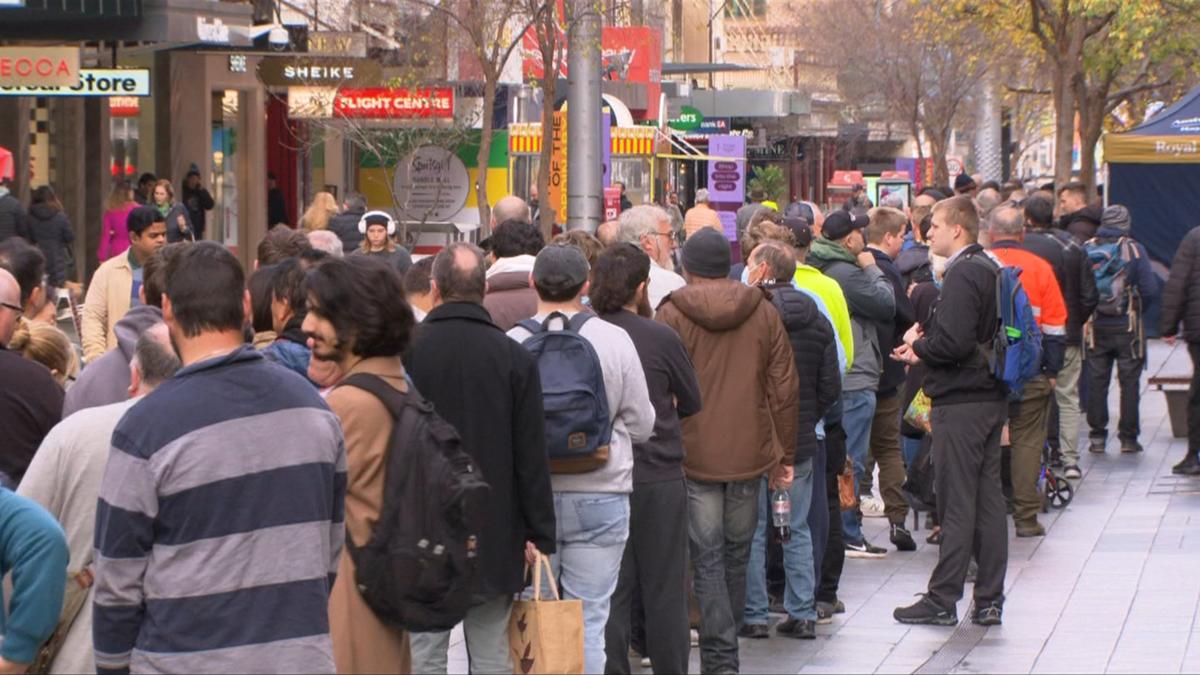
510	299
748	380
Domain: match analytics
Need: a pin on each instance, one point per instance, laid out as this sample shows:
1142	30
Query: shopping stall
1154	169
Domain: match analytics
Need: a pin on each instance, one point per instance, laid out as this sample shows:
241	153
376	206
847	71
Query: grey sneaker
1072	472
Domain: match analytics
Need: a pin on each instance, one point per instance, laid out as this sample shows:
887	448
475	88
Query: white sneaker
872	507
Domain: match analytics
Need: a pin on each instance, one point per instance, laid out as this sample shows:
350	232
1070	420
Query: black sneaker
755	631
1131	447
902	539
798	629
826	610
1190	466
1096	446
989	615
926	612
864	549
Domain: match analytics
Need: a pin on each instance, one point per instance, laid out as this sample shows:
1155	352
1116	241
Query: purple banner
727	179
606	145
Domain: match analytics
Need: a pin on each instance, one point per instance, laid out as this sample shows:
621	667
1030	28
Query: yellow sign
558	164
1128	148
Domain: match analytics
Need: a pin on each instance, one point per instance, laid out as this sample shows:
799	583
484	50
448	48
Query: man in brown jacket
358	319
510	296
747	428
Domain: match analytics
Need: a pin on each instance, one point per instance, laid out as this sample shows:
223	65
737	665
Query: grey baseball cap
560	267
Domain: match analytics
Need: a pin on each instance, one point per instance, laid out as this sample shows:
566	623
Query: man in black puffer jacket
772	265
1181	303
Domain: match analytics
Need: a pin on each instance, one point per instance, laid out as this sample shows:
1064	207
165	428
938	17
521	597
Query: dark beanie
963	182
706	254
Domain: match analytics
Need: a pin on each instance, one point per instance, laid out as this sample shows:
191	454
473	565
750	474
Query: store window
123	136
225	107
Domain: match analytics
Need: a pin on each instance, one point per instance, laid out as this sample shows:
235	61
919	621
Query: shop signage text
212	30
39	66
93	82
727	179
557	199
379	103
283	71
432	184
324	43
689	119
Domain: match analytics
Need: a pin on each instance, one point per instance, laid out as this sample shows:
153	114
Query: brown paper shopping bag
546	636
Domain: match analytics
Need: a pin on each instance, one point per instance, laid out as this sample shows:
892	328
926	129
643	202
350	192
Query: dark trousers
885	450
818	512
1121	349
1027	437
653	567
1193	413
966	457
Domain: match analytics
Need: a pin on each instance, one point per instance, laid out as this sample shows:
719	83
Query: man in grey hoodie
106	380
840	253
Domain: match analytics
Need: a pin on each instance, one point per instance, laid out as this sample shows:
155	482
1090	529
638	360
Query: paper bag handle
543	563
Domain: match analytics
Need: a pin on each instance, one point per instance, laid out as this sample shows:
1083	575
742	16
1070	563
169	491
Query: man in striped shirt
1027	421
220	521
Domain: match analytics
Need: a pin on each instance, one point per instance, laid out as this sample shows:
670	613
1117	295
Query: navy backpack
578	430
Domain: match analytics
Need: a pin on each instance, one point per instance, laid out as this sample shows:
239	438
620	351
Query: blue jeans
910	448
799	598
721	520
858	413
592	529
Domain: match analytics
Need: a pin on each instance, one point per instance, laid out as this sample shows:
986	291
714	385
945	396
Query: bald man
30	400
509	207
607	232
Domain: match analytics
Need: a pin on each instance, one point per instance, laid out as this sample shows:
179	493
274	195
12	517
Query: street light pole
585	179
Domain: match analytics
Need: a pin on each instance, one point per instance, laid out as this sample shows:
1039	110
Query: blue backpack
1110	260
1016	356
578	430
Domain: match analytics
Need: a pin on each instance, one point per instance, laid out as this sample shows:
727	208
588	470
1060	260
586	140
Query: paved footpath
1113	587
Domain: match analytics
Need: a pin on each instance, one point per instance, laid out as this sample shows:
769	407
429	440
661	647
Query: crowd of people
694	441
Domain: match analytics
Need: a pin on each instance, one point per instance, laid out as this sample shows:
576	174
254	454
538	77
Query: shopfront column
14	136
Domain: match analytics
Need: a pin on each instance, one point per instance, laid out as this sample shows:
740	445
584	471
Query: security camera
278	39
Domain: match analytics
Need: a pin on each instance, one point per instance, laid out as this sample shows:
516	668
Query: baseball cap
801	230
840	223
560	267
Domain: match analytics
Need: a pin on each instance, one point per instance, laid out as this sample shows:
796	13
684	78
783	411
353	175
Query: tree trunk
490	77
938	142
546	216
1064	123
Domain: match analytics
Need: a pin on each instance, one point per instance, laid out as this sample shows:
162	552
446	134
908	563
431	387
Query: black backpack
419	571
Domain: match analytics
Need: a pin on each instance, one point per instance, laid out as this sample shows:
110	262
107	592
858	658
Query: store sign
286	71
327	43
689	119
213	31
432	184
727	179
93	82
557	199
39	66
123	106
434	103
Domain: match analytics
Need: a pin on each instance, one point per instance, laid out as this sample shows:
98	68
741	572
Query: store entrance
225	107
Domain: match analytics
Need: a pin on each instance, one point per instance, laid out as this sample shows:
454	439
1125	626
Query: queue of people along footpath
328	463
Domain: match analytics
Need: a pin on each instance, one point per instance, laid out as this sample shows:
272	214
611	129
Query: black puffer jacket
815	349
51	231
1074	273
1181	297
12	217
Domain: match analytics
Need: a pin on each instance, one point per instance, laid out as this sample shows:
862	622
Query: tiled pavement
1113	587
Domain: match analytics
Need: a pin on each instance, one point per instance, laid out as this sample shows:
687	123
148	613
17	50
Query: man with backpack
488	388
357	318
596	406
1126	284
1078	286
968	414
1027	419
746	430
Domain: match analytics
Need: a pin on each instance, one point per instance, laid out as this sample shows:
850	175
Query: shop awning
1170	137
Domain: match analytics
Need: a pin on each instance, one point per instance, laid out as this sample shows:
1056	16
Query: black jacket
345	226
51	231
30	405
1181	297
924	297
198	202
891	333
1075	277
914	265
487	386
174	234
277	208
674	392
963	324
815	349
1082	224
12	218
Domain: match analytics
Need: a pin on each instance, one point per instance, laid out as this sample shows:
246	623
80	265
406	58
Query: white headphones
391	222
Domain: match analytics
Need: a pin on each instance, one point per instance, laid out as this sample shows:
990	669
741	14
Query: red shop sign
383	103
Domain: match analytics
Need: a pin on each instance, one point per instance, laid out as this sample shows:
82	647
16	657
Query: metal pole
585	203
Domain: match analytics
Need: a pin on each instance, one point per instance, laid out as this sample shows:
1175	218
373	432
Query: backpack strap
577	321
393	399
531	326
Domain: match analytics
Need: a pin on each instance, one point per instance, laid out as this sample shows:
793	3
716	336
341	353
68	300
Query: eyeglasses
15	308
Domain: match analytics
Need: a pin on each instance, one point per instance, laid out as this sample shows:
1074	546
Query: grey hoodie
106	380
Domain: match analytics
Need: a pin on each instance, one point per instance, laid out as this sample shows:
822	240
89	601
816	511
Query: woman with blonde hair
322	209
49	346
114	235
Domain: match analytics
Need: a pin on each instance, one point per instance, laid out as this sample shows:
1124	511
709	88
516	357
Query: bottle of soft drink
781	515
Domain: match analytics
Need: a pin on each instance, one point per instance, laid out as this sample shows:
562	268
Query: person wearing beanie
197	200
592	508
840	254
1127	286
747	372
965	185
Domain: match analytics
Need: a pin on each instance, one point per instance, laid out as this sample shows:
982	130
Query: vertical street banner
606	145
727	179
558	166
